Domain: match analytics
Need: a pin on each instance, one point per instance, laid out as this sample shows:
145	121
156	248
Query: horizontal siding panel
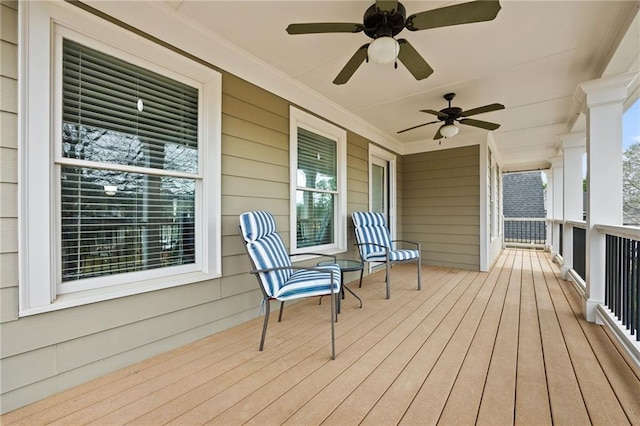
8	165
8	59
410	181
246	111
431	163
242	283
441	210
453	249
441	220
8	304
98	346
8	94
357	186
235	185
238	264
257	151
8	235
33	367
437	239
241	89
39	331
358	147
460	191
231	247
453	202
359	175
232	205
243	129
8	130
443	154
360	198
236	166
9	23
9	270
442	229
357	163
453	172
439	258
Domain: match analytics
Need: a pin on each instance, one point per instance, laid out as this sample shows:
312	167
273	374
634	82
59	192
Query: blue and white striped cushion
370	228
256	225
305	283
394	256
266	249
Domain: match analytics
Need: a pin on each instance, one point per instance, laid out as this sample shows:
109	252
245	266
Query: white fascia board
163	22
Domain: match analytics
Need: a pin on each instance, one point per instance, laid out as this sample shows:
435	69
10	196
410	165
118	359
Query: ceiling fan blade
482	109
324	27
387	5
411	59
479	123
419	125
352	65
434	112
438	135
465	13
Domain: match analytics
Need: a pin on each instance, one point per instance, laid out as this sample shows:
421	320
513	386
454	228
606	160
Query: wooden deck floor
502	347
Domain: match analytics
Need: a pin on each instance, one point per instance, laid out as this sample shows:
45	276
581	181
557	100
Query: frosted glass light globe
383	50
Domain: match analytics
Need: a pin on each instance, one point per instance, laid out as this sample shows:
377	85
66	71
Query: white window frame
299	118
41	29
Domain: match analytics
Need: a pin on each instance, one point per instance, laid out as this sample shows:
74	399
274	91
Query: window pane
316	161
115	222
142	118
314	218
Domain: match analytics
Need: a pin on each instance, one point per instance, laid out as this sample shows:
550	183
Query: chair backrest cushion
370	227
266	249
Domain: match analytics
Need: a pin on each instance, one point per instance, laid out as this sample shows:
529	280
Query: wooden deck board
567	404
464	400
504	347
497	405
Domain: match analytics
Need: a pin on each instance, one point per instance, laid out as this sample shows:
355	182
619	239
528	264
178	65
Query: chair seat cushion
305	283
394	255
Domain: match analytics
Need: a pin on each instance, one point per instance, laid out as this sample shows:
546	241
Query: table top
346	265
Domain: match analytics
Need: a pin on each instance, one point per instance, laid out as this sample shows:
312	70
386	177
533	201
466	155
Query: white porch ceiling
530	58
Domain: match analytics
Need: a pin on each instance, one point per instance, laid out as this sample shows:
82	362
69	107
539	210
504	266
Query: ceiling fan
450	115
385	19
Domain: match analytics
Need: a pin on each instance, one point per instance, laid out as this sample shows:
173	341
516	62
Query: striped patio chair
278	278
375	244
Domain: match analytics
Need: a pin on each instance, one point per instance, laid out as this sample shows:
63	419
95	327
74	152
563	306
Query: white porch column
549	207
557	208
573	148
604	98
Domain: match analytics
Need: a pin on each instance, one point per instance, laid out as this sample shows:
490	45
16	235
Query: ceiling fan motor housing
378	23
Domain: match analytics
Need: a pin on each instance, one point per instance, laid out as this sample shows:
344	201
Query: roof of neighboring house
523	195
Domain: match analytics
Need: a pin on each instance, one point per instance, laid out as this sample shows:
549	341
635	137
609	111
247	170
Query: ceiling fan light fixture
383	50
448	130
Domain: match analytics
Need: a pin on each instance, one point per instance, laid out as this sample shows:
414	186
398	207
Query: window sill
81	298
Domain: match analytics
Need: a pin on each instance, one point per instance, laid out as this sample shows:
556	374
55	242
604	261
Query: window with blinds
128	169
316	189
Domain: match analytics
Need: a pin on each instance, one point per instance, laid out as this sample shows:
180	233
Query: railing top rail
631	232
525	219
577	223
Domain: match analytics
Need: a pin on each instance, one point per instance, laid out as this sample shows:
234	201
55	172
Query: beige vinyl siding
358	186
8	162
441	205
